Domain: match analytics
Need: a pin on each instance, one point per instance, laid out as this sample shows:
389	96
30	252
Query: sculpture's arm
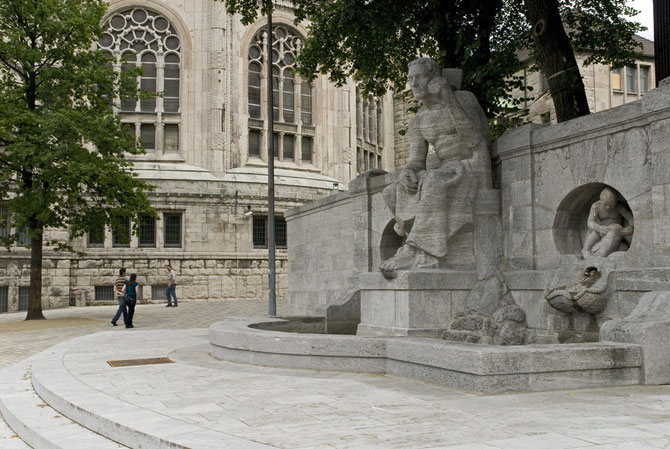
418	148
468	130
592	223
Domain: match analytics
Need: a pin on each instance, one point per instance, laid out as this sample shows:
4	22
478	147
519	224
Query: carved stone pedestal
415	303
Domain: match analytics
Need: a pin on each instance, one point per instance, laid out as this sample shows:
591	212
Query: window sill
305	166
171	156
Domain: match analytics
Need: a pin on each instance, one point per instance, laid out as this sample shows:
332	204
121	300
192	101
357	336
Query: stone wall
318	276
221	278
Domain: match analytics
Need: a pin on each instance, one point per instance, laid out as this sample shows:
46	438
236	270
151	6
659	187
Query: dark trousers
121	310
131	310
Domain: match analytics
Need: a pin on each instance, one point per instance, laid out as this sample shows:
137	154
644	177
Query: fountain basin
464	366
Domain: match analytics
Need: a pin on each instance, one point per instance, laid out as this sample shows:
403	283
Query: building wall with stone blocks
207	175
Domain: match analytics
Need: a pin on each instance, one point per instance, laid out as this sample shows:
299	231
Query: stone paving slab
303	409
37	423
20	339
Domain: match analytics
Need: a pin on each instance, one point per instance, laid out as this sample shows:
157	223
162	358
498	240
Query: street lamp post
272	274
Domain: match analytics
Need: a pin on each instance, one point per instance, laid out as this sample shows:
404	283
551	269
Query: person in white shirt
170	292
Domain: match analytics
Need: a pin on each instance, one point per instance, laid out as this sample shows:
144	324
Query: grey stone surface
434	198
649	326
483	368
300	409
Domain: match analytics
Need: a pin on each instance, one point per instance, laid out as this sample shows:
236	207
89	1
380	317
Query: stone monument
445	216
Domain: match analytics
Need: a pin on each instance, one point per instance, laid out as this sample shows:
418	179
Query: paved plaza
248	406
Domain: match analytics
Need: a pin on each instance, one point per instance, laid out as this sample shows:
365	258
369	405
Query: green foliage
62	147
599	27
374	40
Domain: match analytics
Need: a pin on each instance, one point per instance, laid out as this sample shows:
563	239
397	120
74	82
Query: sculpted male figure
606	226
430	204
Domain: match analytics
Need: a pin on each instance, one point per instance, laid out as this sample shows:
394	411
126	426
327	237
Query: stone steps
36	423
131	425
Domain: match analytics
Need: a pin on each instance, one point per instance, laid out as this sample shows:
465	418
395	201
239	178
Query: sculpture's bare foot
403	258
406	257
586	253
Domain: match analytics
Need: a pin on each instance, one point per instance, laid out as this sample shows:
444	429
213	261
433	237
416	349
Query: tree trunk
557	59
446	34
35	302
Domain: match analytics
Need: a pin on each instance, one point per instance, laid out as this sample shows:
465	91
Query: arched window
137	37
370	132
292	98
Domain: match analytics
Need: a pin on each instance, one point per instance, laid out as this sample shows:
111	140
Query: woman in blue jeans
130	291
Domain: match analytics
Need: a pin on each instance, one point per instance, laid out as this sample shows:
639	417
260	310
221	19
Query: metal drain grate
138	362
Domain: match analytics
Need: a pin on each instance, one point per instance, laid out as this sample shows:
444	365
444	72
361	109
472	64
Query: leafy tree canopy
62	146
373	40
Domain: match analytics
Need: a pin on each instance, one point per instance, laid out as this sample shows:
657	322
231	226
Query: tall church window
292	98
370	132
138	37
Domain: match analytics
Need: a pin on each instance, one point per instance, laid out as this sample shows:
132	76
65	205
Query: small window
259	232
4	221
254	143
96	237
306	103
148	136
4	299
644	78
24	298
23	238
130	127
171	138
172	227
616	79
158	291
121	237
630	79
255	90
147	231
104	293
148	82
307	149
288	147
171	83
280	232
260	235
275	145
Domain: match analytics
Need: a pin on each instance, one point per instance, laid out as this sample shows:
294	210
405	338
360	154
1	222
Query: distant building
605	87
206	152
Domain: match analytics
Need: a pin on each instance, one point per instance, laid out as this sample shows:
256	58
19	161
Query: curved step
35	422
464	366
132	425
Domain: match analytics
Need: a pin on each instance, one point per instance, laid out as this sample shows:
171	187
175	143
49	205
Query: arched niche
570	222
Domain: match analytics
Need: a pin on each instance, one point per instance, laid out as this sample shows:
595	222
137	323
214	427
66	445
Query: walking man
170	292
119	283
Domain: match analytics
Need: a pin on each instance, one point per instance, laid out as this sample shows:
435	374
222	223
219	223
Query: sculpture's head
608	199
421	71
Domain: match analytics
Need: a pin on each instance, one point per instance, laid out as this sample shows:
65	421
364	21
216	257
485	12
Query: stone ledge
34	421
481	368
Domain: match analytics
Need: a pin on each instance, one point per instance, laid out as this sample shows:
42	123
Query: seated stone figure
431	204
606	230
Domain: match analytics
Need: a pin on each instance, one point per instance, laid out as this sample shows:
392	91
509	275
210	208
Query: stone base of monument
415	303
464	366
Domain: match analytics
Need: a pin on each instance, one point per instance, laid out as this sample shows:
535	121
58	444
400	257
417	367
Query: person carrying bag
130	292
